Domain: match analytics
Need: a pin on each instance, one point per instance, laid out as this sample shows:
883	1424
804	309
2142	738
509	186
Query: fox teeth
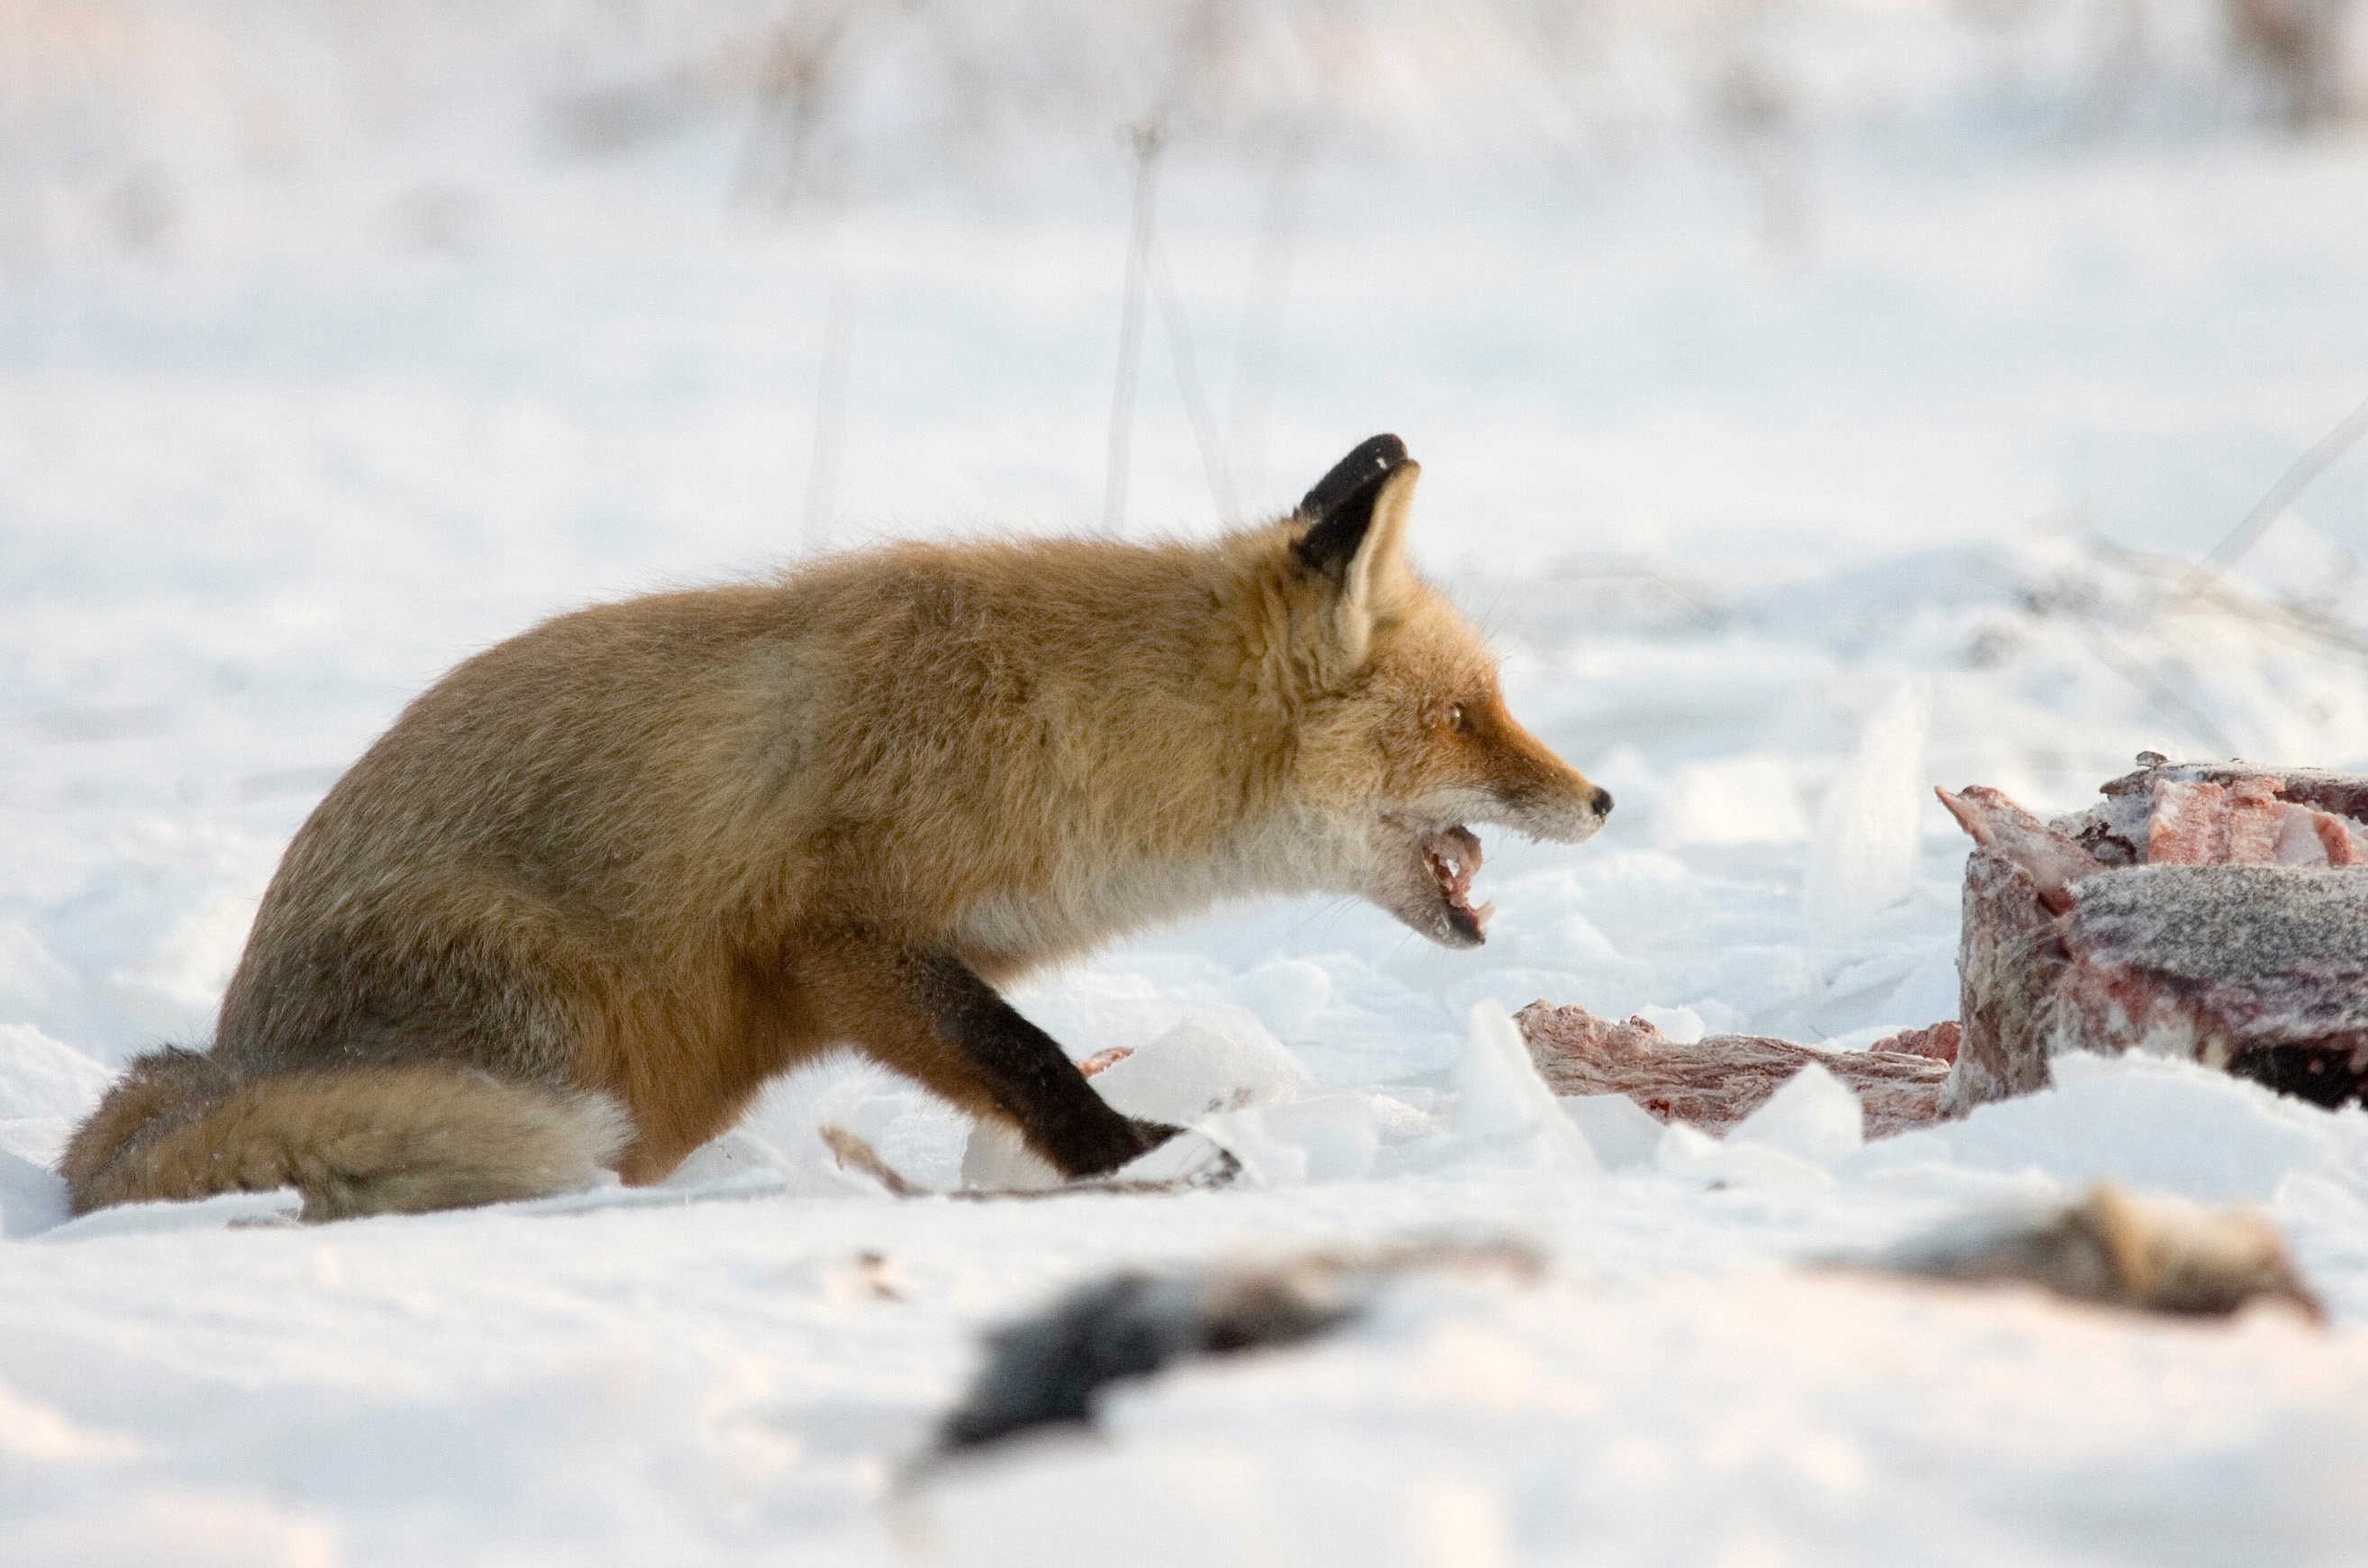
1453	856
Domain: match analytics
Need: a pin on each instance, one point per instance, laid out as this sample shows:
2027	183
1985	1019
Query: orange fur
662	850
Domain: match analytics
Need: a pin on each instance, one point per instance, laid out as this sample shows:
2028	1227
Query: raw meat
2011	956
2187	828
1717	1081
1940	1041
2245	823
2225	813
2222	921
1108	1057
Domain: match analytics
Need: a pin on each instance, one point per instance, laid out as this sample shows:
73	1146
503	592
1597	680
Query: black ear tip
1374	459
1339	510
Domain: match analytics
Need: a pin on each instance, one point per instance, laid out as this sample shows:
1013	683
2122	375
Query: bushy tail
353	1141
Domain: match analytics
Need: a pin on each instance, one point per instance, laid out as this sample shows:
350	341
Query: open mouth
1452	855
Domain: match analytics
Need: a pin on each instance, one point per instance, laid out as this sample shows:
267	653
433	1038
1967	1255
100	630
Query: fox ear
1355	528
1340	511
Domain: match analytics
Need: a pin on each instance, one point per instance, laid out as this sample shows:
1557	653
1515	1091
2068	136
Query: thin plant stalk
829	423
1187	385
1256	348
2296	479
1144	139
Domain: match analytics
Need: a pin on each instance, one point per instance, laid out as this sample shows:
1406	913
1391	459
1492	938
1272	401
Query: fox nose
1602	802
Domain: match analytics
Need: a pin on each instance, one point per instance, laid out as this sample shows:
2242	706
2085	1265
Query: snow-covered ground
1785	493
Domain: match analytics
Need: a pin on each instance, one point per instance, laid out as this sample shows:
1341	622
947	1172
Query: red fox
602	881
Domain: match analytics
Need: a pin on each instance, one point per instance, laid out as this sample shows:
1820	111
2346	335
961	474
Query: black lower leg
1026	1073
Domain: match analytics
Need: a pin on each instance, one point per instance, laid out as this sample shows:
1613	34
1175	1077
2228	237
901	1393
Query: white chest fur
1286	857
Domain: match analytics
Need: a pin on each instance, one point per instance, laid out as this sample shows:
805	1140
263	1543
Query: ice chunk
736	1161
1867	840
1192	1071
1620	1131
1812	1117
1691	1154
1504	1104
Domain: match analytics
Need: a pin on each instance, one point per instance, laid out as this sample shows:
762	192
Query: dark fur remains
1049	1370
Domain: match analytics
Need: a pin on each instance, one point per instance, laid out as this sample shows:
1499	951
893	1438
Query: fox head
1400	737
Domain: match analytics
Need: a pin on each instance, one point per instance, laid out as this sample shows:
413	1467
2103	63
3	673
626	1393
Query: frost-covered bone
2211	913
2112	1248
1050	1369
2051	862
1719	1080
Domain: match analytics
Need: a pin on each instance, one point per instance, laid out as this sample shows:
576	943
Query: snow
1736	800
1783	483
2167	1126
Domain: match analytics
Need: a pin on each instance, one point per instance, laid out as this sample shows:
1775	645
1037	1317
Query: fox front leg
929	1016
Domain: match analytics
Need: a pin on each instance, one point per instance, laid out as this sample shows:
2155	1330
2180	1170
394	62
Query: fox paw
1152	1133
1181	1158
